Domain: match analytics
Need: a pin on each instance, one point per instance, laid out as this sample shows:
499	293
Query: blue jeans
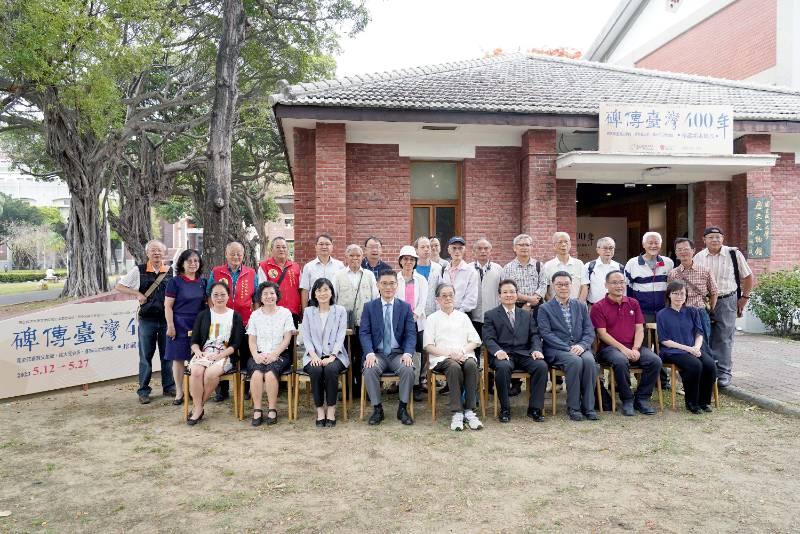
152	333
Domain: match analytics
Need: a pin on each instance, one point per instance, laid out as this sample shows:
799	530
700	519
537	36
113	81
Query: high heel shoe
192	422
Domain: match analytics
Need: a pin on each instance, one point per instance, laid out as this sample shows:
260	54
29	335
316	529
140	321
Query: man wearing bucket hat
462	276
734	282
412	288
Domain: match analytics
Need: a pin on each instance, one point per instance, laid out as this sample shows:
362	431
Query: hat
456	239
713	230
407	250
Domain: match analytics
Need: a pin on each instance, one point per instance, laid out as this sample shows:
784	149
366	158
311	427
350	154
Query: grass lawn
14	288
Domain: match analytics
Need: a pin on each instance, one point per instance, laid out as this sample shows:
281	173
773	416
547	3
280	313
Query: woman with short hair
680	336
324	328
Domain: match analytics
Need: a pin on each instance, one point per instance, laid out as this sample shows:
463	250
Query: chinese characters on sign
656	129
758	227
67	346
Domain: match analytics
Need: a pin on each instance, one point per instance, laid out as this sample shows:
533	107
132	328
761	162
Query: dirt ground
100	462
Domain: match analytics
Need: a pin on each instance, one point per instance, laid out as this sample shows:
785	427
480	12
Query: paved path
29	296
766	371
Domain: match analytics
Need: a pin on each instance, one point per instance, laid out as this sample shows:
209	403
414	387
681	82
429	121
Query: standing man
512	339
388	336
280	269
241	281
148	282
647	276
490	274
432	272
323	266
568	334
531	282
700	285
461	275
563	262
734	280
620	327
372	260
593	278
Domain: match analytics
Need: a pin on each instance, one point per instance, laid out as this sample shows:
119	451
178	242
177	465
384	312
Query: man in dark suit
388	335
568	334
512	339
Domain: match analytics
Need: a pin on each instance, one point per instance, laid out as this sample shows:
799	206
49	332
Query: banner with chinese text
67	346
657	129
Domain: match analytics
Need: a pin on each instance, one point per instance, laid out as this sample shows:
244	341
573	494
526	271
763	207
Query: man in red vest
280	269
241	280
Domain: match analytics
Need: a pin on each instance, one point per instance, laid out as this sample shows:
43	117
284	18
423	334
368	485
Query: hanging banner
658	129
69	345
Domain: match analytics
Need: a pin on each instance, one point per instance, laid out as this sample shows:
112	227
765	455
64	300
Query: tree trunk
217	213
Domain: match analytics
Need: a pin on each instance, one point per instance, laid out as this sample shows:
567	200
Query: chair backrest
651	336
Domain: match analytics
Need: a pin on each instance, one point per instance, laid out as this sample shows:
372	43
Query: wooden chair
522	375
287	377
233	377
558	372
433	376
651	332
301	376
386	377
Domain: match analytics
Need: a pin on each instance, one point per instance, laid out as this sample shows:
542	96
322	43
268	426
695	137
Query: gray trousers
390	364
581	373
722	332
457	374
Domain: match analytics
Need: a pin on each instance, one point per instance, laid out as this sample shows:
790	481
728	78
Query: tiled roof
524	83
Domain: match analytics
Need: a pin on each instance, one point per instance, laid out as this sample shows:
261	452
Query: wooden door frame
423	203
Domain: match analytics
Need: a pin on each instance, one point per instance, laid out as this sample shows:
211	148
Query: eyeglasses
388	284
616	283
563	284
607	248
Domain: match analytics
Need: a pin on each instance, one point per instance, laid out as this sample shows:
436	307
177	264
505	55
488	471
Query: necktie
387	329
511	318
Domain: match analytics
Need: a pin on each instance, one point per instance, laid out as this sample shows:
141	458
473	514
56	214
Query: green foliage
175	208
776	300
27	276
15	211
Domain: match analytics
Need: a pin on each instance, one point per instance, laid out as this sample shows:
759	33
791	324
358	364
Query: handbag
351	314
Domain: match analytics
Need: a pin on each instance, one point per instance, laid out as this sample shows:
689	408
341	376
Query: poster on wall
69	345
590	229
659	129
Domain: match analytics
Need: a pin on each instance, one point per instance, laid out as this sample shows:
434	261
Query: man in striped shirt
647	276
732	298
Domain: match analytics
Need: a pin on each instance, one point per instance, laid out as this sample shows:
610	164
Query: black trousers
648	361
502	378
356	354
698	375
325	382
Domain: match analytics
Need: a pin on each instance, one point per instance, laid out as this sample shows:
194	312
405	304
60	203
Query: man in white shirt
593	278
462	275
451	341
733	296
563	262
323	266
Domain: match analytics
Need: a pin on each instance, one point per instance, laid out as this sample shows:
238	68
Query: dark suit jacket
522	340
557	335
370	333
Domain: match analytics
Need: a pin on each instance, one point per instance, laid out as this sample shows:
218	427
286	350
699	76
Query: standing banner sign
658	129
68	345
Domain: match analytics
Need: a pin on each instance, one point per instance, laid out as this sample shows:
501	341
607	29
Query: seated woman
324	328
680	335
269	331
216	336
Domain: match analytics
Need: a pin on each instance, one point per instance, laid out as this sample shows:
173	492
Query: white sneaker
472	420
457	422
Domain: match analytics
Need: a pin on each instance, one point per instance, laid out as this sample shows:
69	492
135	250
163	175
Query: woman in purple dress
185	298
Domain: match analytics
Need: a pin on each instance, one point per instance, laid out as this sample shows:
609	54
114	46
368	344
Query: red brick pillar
331	184
757	183
304	169
711	208
566	214
538	190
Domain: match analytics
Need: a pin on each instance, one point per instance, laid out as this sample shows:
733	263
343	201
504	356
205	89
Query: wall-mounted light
653	172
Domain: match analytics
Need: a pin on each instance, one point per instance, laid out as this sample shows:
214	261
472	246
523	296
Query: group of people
437	314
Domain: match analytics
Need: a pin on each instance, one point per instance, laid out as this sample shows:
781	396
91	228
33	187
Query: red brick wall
566	213
330	193
737	42
491	200
378	197
538	185
711	208
785	186
304	196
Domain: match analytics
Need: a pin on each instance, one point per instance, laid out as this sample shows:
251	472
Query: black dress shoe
219	397
377	416
330	423
505	416
418	395
591	415
536	415
177	402
144	399
644	407
403	416
257	421
321	423
192	422
695	409
627	408
706	408
515	390
170	392
445	390
575	415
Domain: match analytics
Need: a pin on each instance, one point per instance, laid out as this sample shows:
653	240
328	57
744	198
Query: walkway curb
762	401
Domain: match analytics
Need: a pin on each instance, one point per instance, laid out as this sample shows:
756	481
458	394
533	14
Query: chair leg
482	395
660	392
613	380
363	400
674	379
432	397
235	396
185	397
599	389
411	404
343	378
349	382
553	389
289	393
716	395
495	401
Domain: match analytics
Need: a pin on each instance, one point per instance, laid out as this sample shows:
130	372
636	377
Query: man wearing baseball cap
462	276
734	281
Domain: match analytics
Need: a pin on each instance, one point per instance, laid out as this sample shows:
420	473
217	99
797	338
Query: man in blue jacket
388	335
567	335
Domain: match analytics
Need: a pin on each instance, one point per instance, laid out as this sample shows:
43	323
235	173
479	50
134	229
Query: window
435	187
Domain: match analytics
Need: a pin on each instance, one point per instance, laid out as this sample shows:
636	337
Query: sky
407	33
